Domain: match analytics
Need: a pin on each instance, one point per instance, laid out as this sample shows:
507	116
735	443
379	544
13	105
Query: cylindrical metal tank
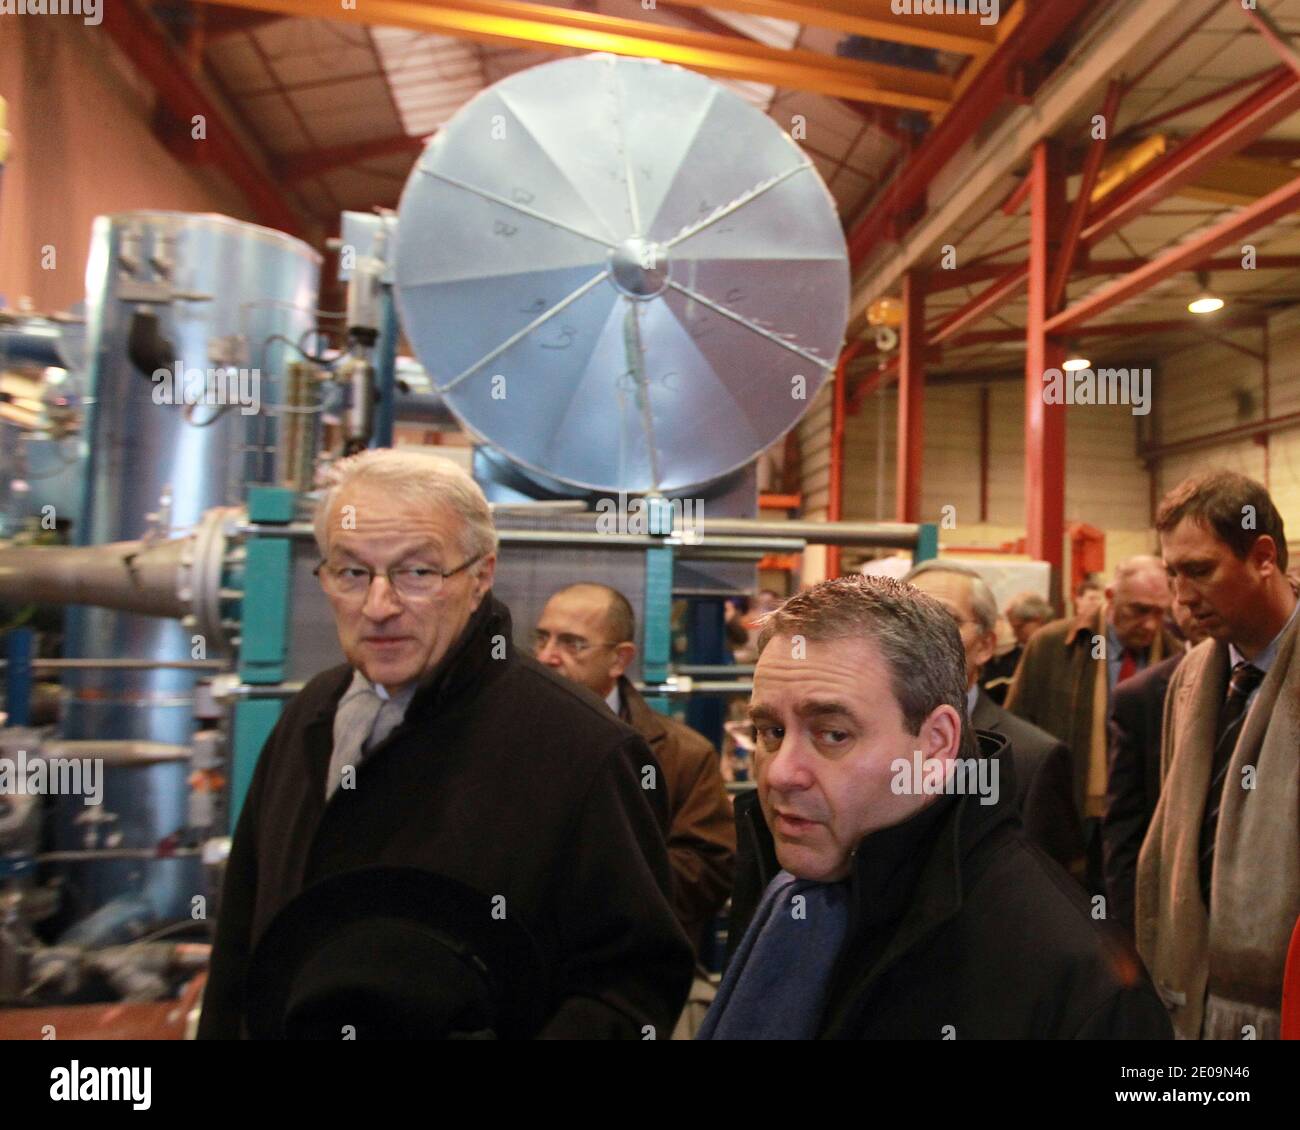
186	292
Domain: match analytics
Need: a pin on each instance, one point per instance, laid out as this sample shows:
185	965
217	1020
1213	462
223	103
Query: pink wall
81	147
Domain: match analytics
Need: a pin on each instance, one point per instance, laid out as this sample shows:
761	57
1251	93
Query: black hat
394	953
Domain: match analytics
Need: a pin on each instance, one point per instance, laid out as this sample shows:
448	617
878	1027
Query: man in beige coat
1218	886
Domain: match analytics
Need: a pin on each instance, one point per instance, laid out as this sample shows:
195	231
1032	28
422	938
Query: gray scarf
364	718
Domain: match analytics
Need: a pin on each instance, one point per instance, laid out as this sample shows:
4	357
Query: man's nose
787	769
549	654
381	601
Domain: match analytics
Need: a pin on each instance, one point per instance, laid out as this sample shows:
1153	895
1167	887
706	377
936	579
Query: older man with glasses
438	748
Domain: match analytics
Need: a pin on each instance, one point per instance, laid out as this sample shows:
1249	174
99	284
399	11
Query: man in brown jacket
586	633
1057	686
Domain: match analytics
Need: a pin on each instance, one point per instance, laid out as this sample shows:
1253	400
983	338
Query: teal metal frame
927	543
264	634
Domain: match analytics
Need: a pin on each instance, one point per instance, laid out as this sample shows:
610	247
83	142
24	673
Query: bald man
586	632
1070	670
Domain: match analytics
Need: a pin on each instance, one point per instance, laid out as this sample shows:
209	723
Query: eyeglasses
414	582
566	642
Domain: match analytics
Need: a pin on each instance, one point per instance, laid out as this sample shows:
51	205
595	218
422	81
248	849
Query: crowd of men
451	836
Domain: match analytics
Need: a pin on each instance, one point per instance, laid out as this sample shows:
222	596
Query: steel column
911	400
835	488
1044	423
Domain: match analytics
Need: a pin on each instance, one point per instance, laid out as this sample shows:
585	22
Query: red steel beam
1121	329
1083	201
1272	103
1044	423
981	305
1183	257
1276	36
1095	268
1043	24
1011	205
911	400
1137	129
315	161
138	38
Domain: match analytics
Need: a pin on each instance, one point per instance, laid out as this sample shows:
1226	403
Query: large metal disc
621	274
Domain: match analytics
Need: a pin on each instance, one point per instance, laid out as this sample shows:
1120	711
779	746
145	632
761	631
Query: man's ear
484	573
941	733
623	654
1263	554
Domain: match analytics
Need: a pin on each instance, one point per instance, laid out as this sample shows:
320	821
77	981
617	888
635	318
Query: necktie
361	722
1128	665
1245	678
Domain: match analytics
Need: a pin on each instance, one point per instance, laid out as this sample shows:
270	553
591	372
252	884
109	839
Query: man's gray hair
425	480
1027	606
983	602
915	634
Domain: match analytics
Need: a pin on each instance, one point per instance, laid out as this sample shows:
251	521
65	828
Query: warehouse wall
81	147
1106	484
1211	387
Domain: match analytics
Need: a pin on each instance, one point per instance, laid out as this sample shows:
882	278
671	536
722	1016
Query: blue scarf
776	985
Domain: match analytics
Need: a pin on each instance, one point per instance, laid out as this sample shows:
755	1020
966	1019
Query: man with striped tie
1218	889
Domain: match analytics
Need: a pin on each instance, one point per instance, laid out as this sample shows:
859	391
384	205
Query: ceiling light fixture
1205	302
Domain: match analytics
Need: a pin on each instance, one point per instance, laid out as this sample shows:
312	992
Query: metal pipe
900	535
114	853
131	576
697	686
124	664
261	690
695	669
30	339
707	546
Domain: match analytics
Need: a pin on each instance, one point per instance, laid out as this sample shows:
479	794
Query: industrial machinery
621	279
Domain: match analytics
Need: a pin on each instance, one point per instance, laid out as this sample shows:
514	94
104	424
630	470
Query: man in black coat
880	895
440	748
1043	771
1134	727
1044	782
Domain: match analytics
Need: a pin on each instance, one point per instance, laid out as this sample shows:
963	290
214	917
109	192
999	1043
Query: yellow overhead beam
535	25
1238	181
961	34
